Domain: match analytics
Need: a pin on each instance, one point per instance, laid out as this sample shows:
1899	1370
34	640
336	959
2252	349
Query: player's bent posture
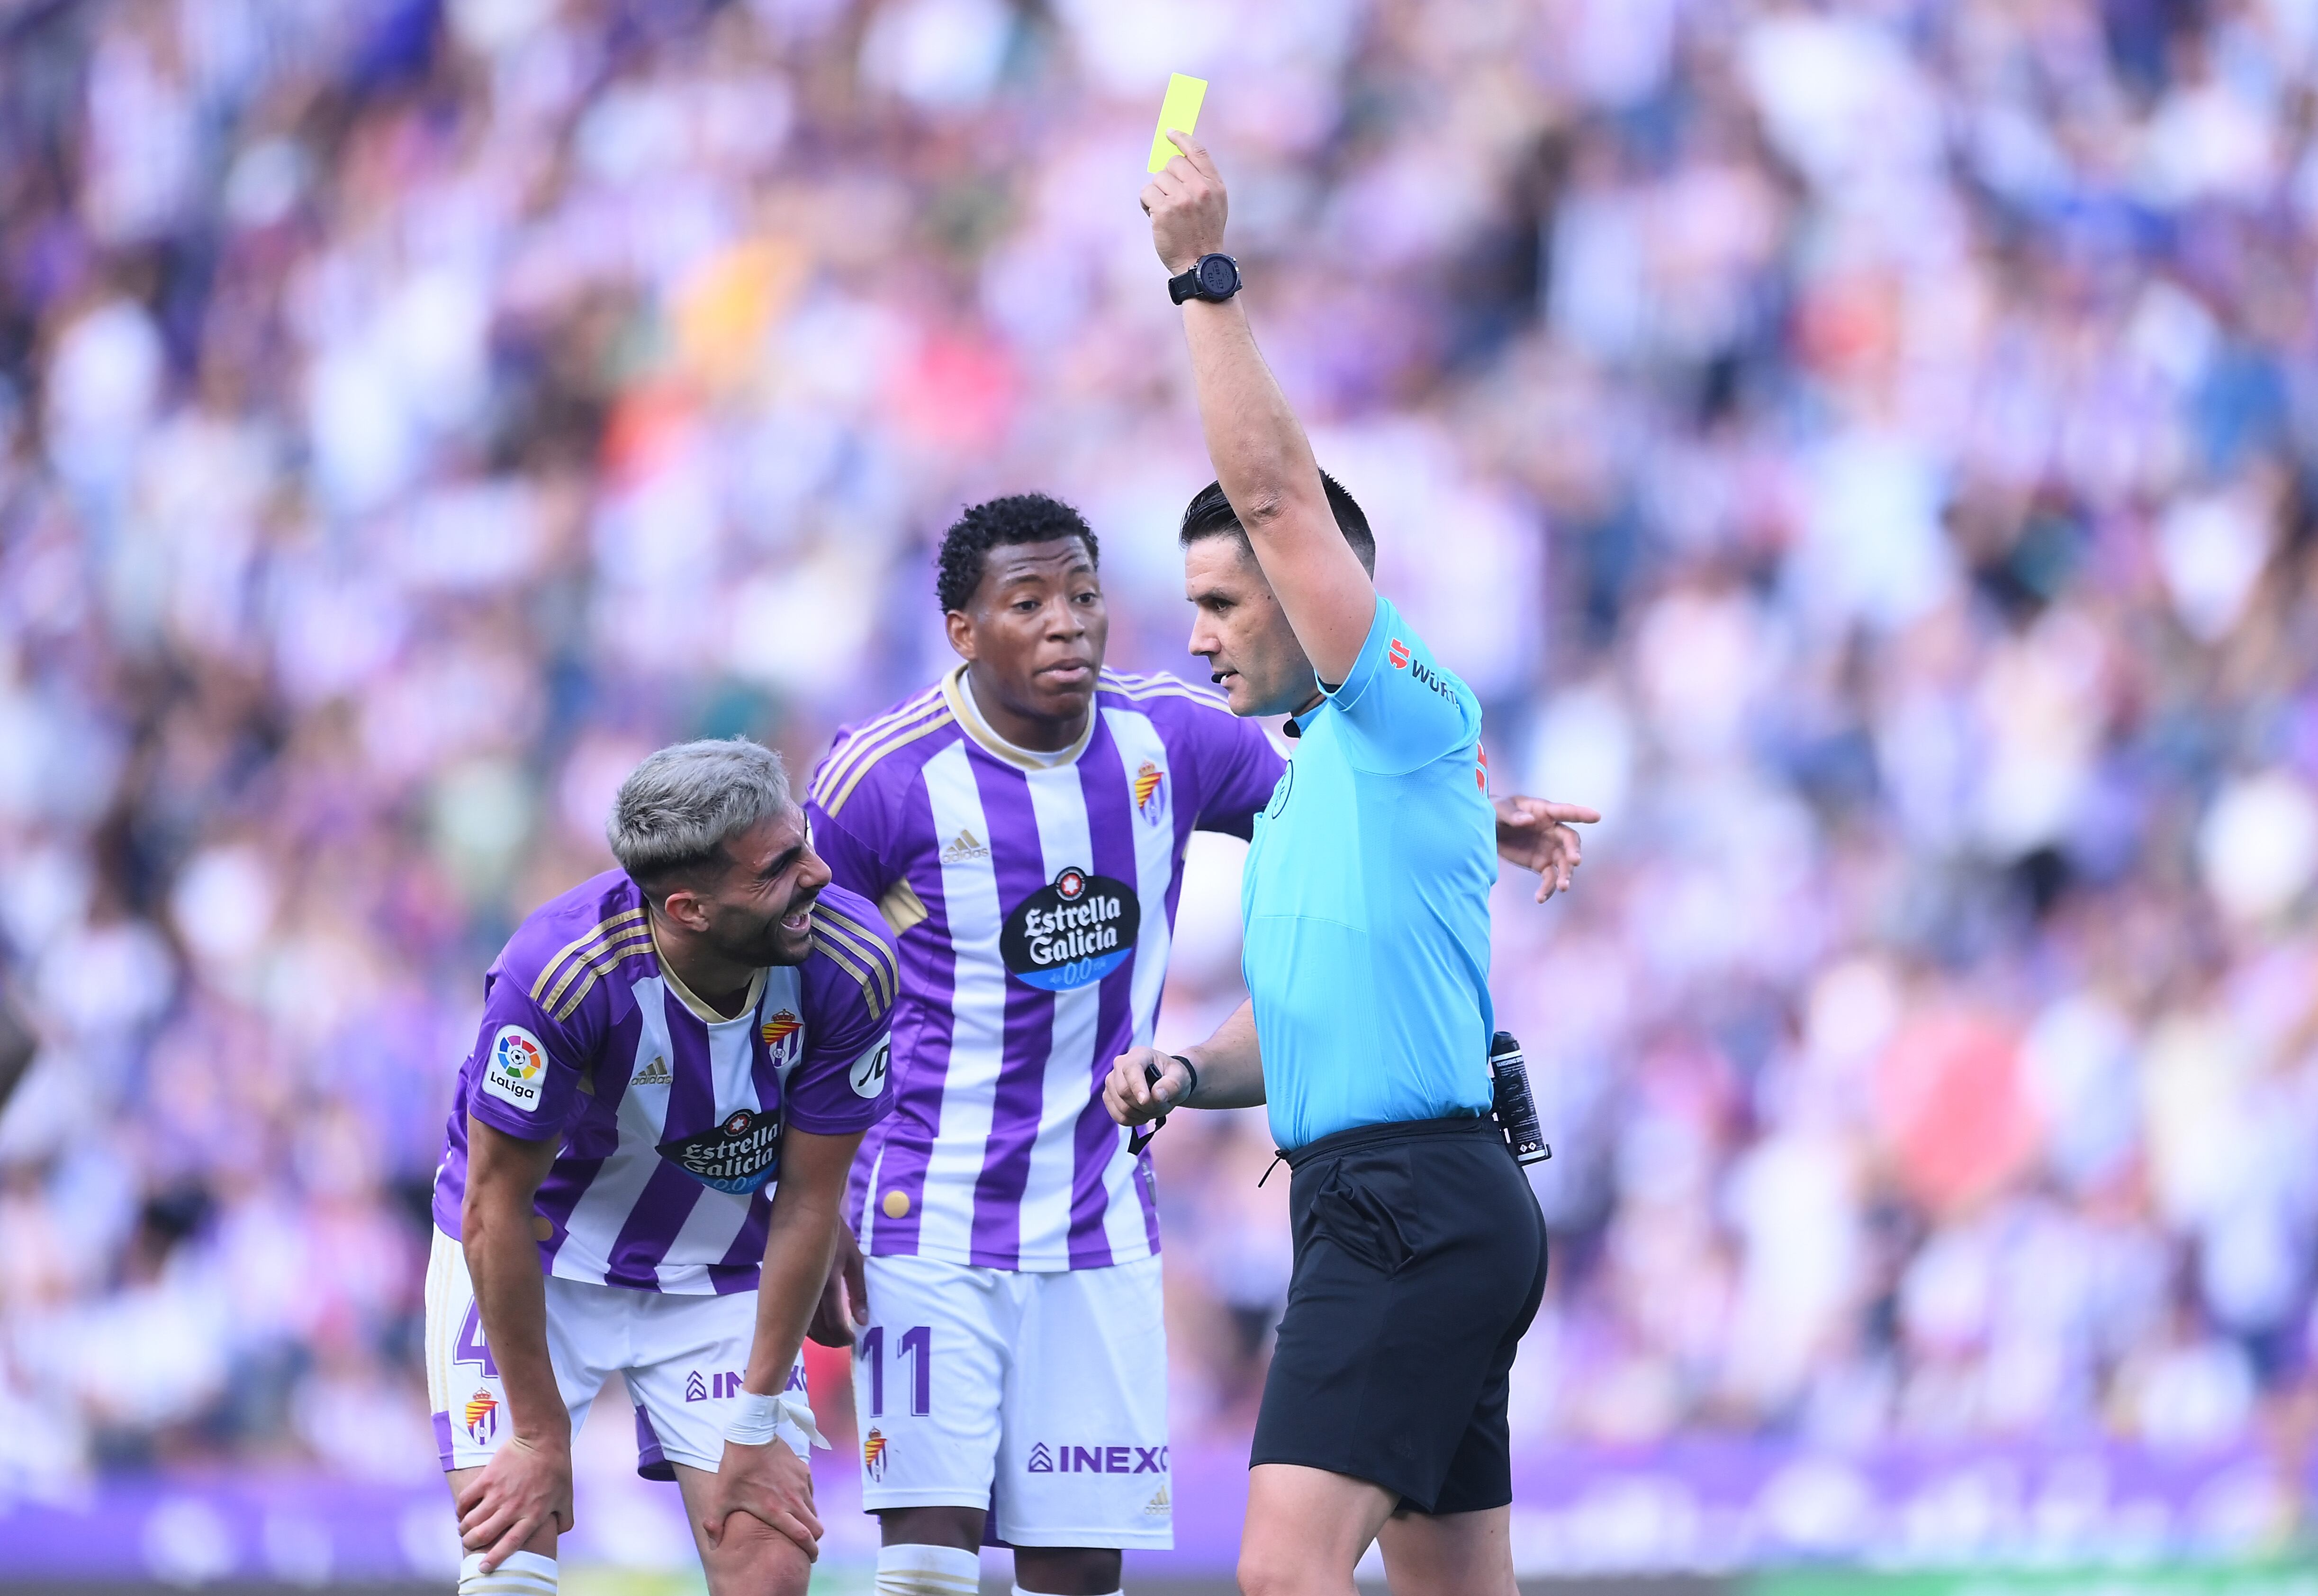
647	1154
1022	824
1419	1249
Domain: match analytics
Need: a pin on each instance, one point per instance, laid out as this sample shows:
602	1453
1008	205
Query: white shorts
1041	1396
682	1356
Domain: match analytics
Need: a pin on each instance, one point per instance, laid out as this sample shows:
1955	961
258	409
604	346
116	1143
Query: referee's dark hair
1018	518
1211	514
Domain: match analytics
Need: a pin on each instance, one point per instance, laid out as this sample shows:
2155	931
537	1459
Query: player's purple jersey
670	1115
1034	895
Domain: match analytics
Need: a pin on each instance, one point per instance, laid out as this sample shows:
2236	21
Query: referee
1419	1251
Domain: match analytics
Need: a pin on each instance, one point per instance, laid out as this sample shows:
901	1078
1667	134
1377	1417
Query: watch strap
1190	286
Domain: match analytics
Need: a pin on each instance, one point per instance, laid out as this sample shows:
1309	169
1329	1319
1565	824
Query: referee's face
1239	629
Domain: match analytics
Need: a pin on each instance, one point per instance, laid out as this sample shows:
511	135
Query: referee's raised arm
1261	455
1365	919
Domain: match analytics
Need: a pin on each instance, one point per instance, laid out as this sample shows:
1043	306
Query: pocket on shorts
1364	1206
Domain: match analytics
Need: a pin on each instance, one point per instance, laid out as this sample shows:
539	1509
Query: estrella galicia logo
1072	932
736	1155
1069	1459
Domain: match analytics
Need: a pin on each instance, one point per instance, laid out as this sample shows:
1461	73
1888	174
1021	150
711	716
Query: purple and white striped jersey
669	1115
1034	897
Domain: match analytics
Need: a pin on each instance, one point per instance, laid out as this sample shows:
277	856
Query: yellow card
1178	111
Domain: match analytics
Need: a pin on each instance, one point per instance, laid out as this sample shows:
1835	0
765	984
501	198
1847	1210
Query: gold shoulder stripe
861	741
1172	688
578	944
1165	686
865	944
902	906
829	948
861	962
865	749
836	801
635	941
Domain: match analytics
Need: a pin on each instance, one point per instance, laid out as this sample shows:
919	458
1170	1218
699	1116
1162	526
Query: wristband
756	1419
1191	1070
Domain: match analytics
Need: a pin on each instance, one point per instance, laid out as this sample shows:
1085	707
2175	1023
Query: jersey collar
1304	717
685	995
959	696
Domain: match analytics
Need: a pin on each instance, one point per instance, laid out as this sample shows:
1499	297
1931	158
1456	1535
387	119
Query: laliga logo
517	1062
518	1054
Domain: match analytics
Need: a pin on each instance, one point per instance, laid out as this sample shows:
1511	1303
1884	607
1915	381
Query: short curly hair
1018	518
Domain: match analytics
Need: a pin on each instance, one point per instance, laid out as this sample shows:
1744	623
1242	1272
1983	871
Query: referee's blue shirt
1366	901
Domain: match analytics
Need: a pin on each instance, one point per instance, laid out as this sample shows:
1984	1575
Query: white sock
915	1570
523	1573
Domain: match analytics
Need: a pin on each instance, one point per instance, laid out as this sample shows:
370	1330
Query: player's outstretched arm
1227	1073
1258	448
527	1484
764	1479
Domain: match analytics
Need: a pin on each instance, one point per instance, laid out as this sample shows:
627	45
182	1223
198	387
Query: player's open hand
845	1299
1535	835
1129	1095
1186	202
769	1483
524	1485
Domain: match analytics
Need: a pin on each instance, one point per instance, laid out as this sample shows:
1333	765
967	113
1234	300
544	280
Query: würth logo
1418	671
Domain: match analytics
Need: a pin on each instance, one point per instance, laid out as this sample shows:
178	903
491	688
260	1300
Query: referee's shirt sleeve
1401	711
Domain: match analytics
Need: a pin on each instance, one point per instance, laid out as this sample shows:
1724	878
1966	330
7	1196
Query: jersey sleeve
845	1081
857	868
1238	771
526	1065
1400	709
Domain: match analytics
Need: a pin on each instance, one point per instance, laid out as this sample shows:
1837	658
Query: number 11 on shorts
916	1344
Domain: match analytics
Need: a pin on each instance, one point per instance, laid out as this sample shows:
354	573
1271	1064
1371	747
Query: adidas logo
963	847
1159	1506
655	1073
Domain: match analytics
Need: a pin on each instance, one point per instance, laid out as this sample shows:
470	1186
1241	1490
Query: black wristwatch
1214	277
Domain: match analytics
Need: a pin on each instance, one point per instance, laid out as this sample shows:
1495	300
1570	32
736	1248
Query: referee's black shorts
1420	1261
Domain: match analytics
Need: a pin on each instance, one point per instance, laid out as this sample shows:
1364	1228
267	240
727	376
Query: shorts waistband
1391	1129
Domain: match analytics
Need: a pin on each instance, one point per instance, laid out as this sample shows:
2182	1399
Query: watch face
1216	274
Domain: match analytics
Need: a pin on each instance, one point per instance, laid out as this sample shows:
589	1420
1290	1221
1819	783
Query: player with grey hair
647	1151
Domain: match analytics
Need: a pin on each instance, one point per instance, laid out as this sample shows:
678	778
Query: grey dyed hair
678	809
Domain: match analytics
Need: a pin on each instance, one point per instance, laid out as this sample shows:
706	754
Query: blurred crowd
1867	450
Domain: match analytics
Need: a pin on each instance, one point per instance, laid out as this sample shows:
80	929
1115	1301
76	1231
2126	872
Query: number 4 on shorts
916	1344
472	1347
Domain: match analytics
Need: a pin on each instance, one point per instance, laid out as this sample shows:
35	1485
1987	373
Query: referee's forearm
1230	1064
